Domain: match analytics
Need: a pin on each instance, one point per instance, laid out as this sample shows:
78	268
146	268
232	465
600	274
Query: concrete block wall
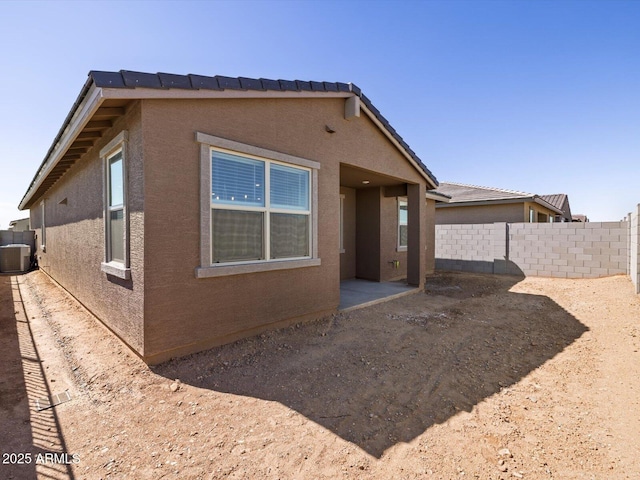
634	248
565	250
465	247
569	250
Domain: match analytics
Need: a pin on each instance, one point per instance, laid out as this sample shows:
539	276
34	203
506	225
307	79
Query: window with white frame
260	209
115	207
403	224
116	210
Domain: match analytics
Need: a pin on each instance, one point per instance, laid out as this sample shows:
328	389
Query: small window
43	229
403	224
115	220
116	212
532	215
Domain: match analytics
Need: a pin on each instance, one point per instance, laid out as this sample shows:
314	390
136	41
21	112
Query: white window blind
403	223
289	188
236	180
247	225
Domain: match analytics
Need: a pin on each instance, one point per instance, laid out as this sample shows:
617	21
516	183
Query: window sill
401	249
116	269
225	270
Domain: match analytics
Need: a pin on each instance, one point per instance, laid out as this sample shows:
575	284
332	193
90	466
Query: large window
260	209
403	224
115	211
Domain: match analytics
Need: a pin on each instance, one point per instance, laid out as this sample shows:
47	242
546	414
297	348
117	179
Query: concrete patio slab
356	293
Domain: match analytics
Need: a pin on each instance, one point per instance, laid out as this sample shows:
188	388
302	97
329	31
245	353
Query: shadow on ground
385	374
31	436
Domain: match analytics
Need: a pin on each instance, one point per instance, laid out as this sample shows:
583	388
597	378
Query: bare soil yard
488	377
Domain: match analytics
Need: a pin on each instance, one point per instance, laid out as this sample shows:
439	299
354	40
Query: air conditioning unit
15	258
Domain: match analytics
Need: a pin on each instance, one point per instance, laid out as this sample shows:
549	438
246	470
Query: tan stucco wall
181	310
510	213
430	227
75	236
538	209
389	242
348	257
368	233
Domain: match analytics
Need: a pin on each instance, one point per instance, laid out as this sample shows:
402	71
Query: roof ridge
494	189
129	79
161	80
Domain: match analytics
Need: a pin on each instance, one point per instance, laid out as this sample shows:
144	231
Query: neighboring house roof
561	201
578	217
462	194
20	223
89	113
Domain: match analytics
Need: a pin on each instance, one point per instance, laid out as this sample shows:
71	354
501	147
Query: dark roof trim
498	201
126	79
65	124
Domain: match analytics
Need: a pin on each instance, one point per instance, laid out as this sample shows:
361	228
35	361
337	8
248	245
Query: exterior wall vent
15	258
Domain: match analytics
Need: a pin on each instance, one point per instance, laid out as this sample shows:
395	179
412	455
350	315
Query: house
20	225
188	211
476	204
578	217
561	201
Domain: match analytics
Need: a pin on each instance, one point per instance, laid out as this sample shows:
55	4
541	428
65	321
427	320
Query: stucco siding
348	257
389	242
181	310
430	227
75	236
510	213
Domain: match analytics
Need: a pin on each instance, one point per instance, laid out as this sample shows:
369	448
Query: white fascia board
386	132
84	112
453	203
437	198
177	93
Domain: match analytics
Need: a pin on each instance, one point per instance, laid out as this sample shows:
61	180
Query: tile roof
129	79
556	199
460	192
126	79
463	193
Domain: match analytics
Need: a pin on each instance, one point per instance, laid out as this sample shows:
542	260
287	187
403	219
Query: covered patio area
357	293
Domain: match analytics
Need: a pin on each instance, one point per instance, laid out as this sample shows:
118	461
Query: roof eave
546	204
499	201
87	103
438	197
430	180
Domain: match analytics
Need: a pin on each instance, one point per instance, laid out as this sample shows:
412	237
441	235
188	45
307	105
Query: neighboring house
21	225
560	201
578	217
189	211
475	204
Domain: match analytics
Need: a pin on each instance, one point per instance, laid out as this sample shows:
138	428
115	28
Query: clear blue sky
538	96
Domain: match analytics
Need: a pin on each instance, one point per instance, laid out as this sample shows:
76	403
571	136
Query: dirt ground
488	377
